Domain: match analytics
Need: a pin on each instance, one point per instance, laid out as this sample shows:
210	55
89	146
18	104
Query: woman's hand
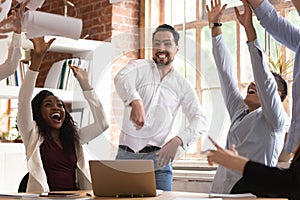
19	17
39	51
3	23
82	76
40	46
227	158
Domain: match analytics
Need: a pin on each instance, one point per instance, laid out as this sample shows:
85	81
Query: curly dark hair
68	132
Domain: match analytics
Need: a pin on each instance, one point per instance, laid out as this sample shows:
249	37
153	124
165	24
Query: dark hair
281	84
166	27
68	132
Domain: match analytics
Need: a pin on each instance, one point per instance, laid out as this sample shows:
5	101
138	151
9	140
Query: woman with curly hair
52	140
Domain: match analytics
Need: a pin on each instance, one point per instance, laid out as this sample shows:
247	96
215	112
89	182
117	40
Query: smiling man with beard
258	121
153	91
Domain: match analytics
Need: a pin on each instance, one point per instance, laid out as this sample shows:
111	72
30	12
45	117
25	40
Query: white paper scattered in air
230	3
33	4
5	9
36	24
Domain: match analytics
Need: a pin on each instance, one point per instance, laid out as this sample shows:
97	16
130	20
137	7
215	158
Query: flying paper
33	4
5	9
36	24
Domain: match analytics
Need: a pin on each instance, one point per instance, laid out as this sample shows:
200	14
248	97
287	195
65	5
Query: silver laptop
123	178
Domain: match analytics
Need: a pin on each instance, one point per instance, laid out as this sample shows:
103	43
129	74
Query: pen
212	141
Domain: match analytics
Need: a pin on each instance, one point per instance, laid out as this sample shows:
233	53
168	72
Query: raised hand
39	51
40	46
215	12
244	19
19	16
3	25
82	77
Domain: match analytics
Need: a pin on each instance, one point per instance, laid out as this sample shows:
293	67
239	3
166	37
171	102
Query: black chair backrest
23	183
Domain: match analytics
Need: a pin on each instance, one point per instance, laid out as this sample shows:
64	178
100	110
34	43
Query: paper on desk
33	4
248	195
36	24
19	195
5	8
194	198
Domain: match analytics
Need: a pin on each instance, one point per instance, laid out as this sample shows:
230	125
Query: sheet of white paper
230	3
243	195
33	4
5	9
53	76
36	24
19	195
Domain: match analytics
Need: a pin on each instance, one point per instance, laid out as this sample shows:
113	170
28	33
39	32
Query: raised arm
25	118
214	15
4	22
14	51
101	123
277	26
266	85
223	59
245	20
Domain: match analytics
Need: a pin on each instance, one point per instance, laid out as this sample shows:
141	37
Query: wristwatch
211	25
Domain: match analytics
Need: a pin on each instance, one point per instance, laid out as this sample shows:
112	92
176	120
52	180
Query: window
195	62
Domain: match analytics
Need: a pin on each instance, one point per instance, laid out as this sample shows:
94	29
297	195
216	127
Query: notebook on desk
123	178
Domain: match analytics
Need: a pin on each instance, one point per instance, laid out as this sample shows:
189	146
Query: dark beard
161	64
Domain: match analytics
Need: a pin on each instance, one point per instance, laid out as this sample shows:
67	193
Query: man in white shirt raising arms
153	91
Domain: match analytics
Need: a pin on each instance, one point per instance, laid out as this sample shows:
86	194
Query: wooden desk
164	196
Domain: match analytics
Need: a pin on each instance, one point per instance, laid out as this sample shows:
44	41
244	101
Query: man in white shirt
153	91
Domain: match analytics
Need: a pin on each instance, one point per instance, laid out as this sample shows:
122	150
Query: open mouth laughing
56	117
251	91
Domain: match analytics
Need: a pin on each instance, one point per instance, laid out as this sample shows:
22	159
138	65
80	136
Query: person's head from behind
252	99
50	114
164	44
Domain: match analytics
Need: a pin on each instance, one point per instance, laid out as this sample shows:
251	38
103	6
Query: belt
147	149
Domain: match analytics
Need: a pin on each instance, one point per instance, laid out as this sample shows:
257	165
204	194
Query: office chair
23	183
